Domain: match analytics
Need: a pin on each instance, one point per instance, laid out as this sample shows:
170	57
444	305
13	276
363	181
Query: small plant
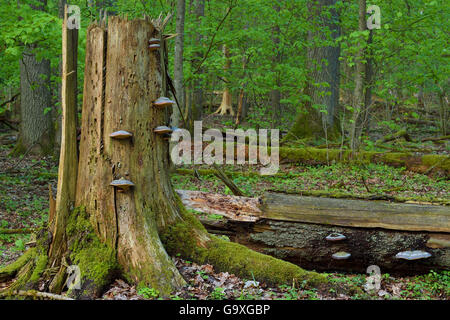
218	294
202	274
148	293
19	245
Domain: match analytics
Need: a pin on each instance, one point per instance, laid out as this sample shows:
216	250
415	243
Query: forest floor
24	192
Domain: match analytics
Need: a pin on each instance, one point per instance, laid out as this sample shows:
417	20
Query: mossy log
394	136
295	228
318	156
109	231
416	163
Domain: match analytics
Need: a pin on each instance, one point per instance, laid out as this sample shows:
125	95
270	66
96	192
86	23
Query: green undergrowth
337	180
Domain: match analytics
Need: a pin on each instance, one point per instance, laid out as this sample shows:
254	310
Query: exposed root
33	294
10	271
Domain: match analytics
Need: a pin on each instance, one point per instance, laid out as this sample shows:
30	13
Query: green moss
438	161
228	256
238	259
11	269
392	158
95	259
41	264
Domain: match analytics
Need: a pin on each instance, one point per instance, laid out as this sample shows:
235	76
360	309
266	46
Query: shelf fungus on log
162	130
163	102
341	255
122	184
413	255
335	237
121	135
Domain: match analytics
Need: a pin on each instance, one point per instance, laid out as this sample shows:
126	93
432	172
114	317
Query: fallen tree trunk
294	228
318	156
416	163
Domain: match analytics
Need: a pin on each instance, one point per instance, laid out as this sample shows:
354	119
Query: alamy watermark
374	21
373	282
74	277
73	17
235	140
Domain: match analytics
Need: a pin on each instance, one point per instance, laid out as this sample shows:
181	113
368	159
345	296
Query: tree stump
124	219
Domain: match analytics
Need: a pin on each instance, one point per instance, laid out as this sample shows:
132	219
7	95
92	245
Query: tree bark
36	131
358	94
197	101
275	94
226	104
323	66
68	160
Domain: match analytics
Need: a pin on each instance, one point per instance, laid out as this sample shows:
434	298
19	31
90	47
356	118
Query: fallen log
317	156
395	136
436	139
295	228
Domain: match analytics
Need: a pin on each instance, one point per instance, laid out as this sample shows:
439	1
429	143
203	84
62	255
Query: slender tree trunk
358	94
275	95
368	78
226	104
443	111
242	112
178	63
197	102
58	116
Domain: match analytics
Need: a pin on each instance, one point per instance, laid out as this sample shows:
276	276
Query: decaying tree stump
117	214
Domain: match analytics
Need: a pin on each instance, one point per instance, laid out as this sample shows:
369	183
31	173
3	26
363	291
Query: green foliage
218	294
149	293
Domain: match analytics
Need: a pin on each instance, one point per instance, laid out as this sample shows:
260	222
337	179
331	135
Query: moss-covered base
96	260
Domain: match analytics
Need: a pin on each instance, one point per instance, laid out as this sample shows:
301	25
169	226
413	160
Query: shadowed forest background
363	114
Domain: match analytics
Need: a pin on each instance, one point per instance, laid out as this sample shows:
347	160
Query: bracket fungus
121	135
413	255
122	184
341	255
162	130
163	102
335	237
154	44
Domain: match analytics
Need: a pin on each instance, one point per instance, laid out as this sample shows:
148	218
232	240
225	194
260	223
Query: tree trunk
111	232
197	101
275	94
226	104
58	116
323	66
358	94
178	77
36	131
